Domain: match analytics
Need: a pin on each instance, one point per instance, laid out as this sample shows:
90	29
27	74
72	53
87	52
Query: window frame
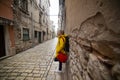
23	5
26	34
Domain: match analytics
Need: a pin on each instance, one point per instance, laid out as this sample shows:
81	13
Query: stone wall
45	19
25	19
94	31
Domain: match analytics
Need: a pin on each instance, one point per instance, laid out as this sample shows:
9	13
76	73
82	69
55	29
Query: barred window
26	34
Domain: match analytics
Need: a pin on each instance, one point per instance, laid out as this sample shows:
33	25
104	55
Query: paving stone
44	68
35	71
28	71
3	78
36	75
11	78
52	72
42	72
21	71
37	79
3	74
30	75
13	74
1	71
51	77
20	78
24	74
16	70
9	70
29	78
43	78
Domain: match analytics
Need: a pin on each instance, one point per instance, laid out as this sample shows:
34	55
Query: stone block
103	49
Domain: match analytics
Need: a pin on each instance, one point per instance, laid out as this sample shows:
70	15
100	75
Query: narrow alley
33	64
84	34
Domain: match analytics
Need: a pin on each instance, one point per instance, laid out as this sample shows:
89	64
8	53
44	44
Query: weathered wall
61	19
95	39
45	19
6	9
29	20
6	21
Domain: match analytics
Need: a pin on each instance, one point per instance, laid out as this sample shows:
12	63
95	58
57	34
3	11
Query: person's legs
60	66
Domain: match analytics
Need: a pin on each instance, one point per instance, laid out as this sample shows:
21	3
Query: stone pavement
33	64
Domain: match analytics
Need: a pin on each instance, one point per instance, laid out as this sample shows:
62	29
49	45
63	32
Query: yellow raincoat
60	45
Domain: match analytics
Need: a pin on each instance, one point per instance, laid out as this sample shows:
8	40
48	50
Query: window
35	34
25	34
24	5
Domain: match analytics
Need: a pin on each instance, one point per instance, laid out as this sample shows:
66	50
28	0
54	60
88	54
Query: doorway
2	41
39	39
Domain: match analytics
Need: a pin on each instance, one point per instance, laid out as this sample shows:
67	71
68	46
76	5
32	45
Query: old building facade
45	18
27	27
24	24
61	15
93	26
32	23
51	30
7	42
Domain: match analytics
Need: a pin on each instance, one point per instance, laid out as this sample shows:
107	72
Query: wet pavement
33	64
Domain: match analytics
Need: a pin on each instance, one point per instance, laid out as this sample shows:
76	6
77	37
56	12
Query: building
23	24
34	10
44	18
51	30
94	29
61	15
27	26
7	35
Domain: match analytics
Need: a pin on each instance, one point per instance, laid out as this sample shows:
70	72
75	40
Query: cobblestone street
33	64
